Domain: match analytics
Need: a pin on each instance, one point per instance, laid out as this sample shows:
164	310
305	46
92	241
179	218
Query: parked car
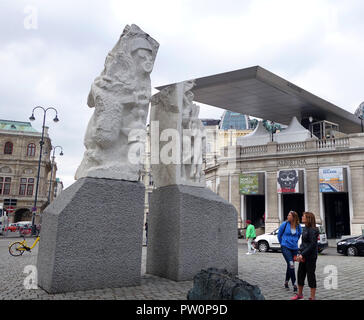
269	241
351	246
12	227
25	229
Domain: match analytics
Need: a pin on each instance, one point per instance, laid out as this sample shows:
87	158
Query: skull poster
287	181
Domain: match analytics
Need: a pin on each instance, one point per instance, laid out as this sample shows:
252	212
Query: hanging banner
331	180
251	183
287	181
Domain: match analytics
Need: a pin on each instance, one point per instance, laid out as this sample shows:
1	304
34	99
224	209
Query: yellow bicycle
17	248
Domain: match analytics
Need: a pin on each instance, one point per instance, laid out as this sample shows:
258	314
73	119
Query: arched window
31	150
8	149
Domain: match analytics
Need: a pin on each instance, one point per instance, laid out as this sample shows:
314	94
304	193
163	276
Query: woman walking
307	256
288	236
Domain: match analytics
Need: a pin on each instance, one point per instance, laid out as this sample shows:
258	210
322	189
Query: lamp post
273	128
52	164
41	143
310	119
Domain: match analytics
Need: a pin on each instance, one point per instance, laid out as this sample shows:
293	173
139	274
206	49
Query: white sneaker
248	253
255	251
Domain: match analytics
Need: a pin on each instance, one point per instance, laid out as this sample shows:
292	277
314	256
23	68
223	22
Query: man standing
250	236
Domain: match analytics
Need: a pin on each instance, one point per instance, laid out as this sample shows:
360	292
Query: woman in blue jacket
288	236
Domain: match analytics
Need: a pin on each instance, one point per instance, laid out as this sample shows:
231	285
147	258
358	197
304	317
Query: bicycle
17	248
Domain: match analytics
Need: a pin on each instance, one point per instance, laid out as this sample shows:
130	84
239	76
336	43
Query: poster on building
331	180
249	183
287	181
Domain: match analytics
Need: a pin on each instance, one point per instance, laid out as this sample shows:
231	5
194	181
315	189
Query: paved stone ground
267	270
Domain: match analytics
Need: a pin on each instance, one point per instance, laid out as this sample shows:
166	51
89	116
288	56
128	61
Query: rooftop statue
120	97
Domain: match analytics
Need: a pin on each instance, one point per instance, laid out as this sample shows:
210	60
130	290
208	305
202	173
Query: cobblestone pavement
267	270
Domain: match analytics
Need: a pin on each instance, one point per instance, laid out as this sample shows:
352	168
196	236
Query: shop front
335	198
252	192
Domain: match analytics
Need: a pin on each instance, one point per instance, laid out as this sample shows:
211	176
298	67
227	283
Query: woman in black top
307	256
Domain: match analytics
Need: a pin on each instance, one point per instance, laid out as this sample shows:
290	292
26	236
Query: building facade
19	155
265	181
223	133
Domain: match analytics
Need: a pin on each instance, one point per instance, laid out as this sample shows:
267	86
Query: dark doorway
22	215
337	216
255	208
293	202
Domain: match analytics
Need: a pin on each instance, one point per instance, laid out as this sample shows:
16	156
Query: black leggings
307	268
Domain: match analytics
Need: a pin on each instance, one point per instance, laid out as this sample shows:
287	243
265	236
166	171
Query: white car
269	241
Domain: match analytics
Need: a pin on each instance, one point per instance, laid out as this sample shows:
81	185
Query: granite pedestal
189	229
91	236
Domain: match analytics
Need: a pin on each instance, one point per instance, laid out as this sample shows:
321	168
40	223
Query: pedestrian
307	256
250	236
288	235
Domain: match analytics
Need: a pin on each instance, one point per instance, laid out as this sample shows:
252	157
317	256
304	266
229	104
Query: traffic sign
10	209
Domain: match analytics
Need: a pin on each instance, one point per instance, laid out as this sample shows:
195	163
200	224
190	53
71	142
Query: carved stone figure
120	96
188	223
176	117
194	135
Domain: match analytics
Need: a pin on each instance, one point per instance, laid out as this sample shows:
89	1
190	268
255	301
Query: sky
51	52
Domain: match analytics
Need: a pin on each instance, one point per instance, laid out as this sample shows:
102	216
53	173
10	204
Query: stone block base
190	228
91	237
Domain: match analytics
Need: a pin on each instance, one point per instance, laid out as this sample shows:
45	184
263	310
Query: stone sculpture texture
120	97
173	108
188	223
92	232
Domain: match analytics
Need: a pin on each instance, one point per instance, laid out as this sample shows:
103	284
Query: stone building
264	180
224	132
19	155
327	171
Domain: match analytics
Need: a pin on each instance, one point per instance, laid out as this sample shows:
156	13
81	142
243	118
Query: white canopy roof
258	137
295	132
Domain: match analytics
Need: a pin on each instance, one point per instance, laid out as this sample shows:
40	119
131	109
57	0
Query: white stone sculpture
120	96
177	155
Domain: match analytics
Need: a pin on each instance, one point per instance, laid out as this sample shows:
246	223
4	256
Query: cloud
316	44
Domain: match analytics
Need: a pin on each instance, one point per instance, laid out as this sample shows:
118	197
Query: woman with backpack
288	236
307	256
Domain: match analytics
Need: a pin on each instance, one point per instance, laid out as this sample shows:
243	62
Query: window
8	149
30	187
5	184
31	150
26	186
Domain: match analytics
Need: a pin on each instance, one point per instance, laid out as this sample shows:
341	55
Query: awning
257	92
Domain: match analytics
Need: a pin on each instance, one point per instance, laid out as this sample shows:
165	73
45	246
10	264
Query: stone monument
190	227
92	232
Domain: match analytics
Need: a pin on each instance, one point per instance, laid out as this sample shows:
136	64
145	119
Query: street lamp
273	128
41	143
310	119
52	164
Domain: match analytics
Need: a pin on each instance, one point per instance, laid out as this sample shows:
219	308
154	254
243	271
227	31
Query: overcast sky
51	51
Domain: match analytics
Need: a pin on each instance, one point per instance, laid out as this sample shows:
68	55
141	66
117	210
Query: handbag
295	259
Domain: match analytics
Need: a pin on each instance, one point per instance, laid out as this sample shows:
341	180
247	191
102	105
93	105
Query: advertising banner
288	181
249	183
331	180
